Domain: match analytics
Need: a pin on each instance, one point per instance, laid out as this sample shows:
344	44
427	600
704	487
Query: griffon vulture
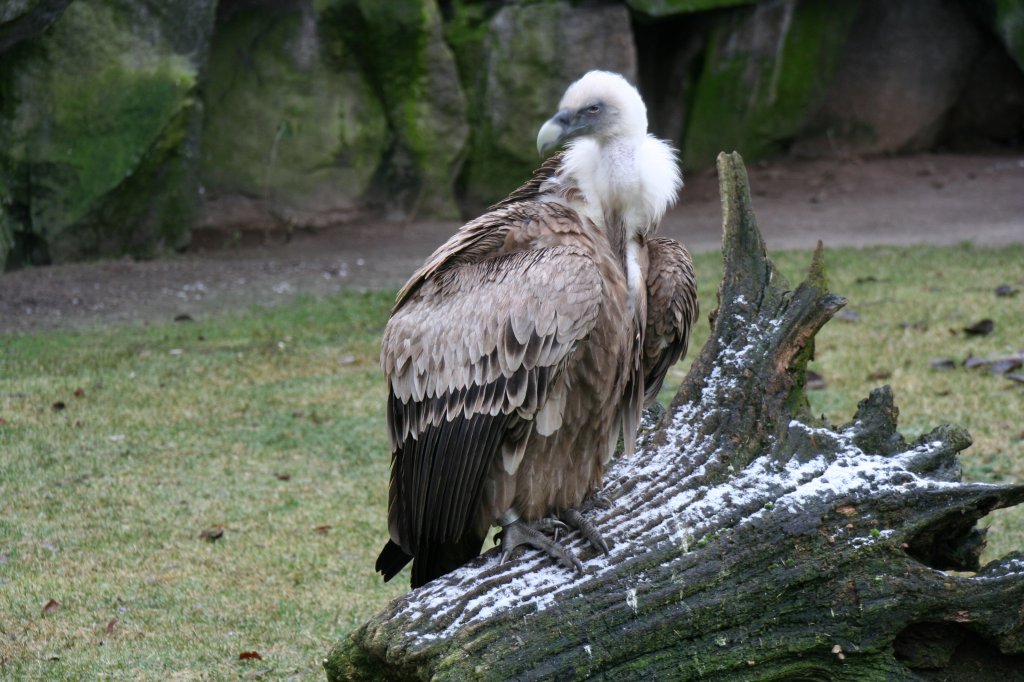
523	347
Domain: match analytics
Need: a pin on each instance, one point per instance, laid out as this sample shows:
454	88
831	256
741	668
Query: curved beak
555	131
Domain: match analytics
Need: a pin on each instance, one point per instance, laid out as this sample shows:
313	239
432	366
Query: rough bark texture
750	541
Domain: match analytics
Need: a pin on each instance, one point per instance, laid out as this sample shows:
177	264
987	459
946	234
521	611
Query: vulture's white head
601	105
624	174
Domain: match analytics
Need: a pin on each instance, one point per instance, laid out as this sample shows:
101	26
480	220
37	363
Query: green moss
511	92
755	95
401	51
287	120
101	131
87	111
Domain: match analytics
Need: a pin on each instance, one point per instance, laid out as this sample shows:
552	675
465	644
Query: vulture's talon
575	519
518	534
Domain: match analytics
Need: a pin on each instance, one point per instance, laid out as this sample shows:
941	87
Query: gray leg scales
519	534
574	519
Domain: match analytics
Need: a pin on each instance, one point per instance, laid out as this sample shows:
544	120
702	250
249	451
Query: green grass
181	427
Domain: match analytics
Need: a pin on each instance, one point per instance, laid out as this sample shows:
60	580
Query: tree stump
751	541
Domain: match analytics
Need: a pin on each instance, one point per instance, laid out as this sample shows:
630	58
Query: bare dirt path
936	199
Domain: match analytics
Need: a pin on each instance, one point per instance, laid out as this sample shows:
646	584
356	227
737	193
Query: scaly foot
574	519
519	534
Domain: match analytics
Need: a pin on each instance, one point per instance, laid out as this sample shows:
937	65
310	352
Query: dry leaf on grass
213	533
250	656
51	606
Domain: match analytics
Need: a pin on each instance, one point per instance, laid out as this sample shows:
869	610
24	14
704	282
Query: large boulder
293	132
765	69
516	64
99	123
24	19
905	66
401	50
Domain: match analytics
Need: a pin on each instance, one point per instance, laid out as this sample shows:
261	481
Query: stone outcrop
905	66
293	130
403	55
99	125
766	69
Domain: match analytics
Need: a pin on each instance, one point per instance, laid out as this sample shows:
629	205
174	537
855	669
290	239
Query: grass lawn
120	446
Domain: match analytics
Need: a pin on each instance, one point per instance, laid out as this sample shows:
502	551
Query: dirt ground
936	199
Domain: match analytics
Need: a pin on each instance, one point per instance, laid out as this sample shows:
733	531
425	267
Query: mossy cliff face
766	69
293	132
99	131
402	54
515	65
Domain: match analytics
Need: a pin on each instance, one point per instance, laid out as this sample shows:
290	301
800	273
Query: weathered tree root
750	541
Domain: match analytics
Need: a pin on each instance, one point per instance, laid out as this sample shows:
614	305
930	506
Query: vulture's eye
593	109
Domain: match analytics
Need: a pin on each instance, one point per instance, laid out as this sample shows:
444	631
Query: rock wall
293	131
127	125
99	131
515	66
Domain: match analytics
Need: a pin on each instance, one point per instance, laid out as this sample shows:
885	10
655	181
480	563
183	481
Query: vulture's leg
518	534
574	519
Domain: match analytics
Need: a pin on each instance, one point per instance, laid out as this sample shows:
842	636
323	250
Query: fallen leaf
110	626
283	477
322	529
2	421
1005	365
213	533
942	363
1006	291
980	328
250	656
972	362
815	382
58	406
79	393
183	317
51	606
879	374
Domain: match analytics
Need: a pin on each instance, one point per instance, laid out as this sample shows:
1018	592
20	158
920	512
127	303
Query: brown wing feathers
672	309
470	351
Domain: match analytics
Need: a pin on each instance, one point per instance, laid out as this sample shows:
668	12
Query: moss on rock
765	70
290	121
515	65
401	50
97	125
